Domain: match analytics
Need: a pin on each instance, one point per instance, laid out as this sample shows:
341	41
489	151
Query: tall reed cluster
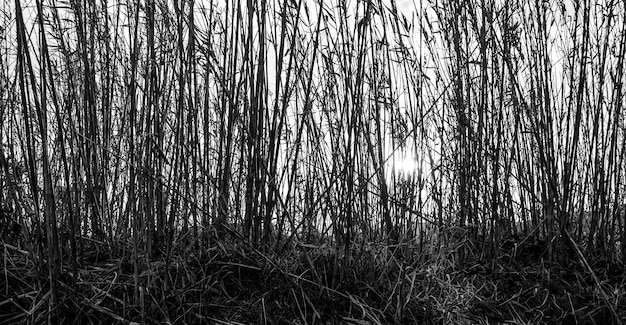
169	124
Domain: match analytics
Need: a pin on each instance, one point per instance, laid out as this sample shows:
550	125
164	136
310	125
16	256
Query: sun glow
405	165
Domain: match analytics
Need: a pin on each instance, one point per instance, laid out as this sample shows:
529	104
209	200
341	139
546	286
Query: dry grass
192	162
232	283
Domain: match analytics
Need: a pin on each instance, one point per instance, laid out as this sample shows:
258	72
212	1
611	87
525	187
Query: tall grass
158	127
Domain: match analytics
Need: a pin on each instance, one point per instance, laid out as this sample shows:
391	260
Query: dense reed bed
296	161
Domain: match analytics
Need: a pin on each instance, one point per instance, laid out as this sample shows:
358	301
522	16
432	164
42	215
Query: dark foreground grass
229	282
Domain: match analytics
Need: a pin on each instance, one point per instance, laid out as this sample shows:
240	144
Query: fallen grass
233	283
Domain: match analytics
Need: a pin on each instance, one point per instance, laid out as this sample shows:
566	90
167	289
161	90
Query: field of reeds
312	162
